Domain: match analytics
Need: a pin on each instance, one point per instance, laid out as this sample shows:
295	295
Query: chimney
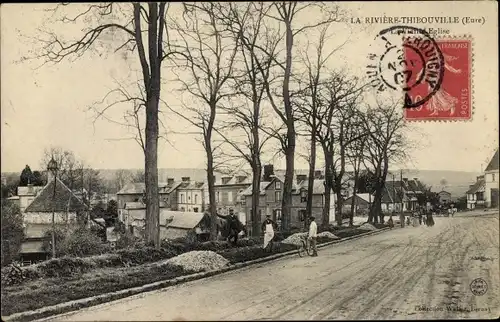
301	177
317	174
186	179
170	181
268	172
225	179
30	188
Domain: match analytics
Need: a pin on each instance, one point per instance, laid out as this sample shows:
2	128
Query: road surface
410	273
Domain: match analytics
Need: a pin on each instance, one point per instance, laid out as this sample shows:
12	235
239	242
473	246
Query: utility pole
393	194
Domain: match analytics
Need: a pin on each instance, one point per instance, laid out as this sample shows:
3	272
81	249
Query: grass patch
51	291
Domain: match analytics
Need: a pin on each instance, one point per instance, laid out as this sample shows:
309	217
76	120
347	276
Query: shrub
64	266
81	242
138	256
127	240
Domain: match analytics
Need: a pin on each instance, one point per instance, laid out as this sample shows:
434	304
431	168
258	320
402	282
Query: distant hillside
457	181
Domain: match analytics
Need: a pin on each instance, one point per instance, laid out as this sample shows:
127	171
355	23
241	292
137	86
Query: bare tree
121	178
285	13
208	59
257	45
309	100
355	156
386	142
132	20
336	104
68	165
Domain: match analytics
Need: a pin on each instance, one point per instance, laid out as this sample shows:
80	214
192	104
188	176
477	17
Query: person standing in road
268	227
313	234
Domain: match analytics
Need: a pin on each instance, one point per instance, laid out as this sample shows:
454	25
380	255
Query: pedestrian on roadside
390	222
268	227
402	219
313	234
234	227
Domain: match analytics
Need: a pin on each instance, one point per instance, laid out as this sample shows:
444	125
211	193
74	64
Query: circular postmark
478	286
407	59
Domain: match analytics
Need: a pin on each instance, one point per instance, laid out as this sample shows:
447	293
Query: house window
277	185
230	196
217	196
195	209
303	196
493	177
196	200
302	215
277	215
189	198
277	196
182	197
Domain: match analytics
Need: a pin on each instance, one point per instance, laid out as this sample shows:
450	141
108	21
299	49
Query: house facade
475	194
270	201
27	194
491	180
444	197
134	192
192	196
401	195
229	194
54	199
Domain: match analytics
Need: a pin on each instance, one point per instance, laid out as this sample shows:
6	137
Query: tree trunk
353	199
328	188
211	187
339	204
256	218
151	171
288	184
312	169
290	124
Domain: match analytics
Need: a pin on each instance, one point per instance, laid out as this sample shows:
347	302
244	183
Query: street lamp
52	167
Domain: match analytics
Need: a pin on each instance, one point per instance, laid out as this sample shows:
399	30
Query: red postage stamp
452	99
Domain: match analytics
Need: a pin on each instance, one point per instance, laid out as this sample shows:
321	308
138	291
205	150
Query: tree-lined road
410	273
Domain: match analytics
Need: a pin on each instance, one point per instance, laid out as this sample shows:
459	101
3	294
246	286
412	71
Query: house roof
181	219
365	196
29	191
263	186
239	179
478	186
191	185
61	201
445	192
134	188
493	165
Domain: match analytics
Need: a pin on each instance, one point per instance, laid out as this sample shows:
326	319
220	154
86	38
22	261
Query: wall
222	194
190	200
25	201
46	217
491	182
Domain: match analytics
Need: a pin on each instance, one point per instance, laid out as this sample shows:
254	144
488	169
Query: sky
49	106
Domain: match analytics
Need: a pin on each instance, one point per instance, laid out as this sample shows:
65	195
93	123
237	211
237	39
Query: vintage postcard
250	161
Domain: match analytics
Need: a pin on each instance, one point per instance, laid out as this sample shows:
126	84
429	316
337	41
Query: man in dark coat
234	226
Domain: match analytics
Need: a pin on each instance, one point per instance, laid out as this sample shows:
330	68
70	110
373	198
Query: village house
444	197
173	224
54	200
135	192
362	203
401	195
192	196
26	195
475	194
491	179
270	202
228	194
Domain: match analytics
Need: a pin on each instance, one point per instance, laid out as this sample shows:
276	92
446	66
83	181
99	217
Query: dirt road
410	273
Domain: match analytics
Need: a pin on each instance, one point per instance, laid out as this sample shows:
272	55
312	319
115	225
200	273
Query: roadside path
410	273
